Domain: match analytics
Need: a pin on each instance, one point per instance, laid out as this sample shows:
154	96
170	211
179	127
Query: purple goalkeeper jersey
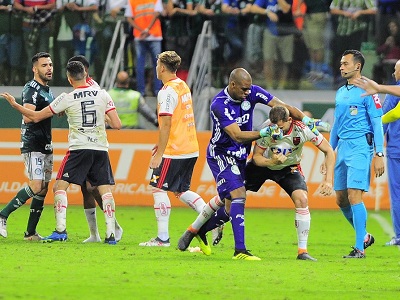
224	112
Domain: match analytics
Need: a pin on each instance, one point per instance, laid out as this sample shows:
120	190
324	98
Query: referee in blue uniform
357	134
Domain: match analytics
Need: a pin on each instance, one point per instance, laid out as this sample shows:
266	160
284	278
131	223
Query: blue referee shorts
353	164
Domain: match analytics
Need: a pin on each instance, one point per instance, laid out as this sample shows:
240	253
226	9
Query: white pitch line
386	226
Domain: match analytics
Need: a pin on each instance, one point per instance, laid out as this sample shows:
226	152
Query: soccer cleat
32	236
244	255
92	239
217	234
393	242
204	245
355	253
305	256
368	240
156	242
118	233
110	240
185	240
56	237
3	227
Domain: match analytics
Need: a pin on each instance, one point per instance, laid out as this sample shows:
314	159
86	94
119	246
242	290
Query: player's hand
10	99
379	166
325	188
370	86
278	158
322	126
155	161
310	122
272	131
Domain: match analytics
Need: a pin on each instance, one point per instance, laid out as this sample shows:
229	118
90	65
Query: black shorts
81	165
173	174
289	178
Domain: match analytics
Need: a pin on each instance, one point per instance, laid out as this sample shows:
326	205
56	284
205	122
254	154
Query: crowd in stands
281	42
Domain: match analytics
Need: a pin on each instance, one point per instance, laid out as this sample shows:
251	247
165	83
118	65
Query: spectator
35	26
143	16
109	14
278	39
178	29
237	18
315	22
351	28
389	53
10	44
130	104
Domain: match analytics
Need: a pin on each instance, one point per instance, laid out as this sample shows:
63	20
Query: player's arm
392	115
113	119
239	136
329	163
295	113
379	165
32	115
260	160
165	129
371	87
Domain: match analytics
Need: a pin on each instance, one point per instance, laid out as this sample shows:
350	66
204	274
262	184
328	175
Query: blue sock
360	223
348	214
219	218
237	220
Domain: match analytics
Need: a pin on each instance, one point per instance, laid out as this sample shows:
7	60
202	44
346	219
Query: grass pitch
72	270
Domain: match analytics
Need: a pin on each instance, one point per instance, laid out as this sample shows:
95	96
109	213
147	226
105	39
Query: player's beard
45	78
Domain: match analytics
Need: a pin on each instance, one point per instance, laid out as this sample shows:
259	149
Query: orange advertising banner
130	152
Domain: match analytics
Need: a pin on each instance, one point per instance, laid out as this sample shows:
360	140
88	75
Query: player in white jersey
87	158
91	194
279	160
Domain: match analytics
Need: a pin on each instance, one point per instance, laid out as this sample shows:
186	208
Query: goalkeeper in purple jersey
232	114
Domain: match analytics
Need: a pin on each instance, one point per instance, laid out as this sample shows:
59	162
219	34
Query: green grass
72	270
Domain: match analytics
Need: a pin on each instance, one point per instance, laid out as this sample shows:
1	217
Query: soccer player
232	112
36	147
91	194
176	152
279	160
87	158
391	108
357	131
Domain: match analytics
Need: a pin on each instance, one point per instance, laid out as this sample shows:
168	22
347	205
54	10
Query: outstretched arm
371	87
35	116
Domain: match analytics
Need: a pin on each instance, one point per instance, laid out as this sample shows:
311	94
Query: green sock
35	213
20	198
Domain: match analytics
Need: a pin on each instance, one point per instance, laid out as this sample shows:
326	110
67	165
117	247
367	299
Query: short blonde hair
170	59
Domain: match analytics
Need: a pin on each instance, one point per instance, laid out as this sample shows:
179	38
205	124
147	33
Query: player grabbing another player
91	194
36	148
87	158
279	160
232	112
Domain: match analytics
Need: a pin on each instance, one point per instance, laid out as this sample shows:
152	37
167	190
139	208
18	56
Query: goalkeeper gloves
272	131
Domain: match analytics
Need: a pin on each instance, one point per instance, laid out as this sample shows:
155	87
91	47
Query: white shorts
39	166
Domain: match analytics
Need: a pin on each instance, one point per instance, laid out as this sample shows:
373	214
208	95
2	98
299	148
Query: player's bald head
239	75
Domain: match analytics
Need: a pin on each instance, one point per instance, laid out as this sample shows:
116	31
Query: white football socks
302	222
192	199
60	209
162	210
